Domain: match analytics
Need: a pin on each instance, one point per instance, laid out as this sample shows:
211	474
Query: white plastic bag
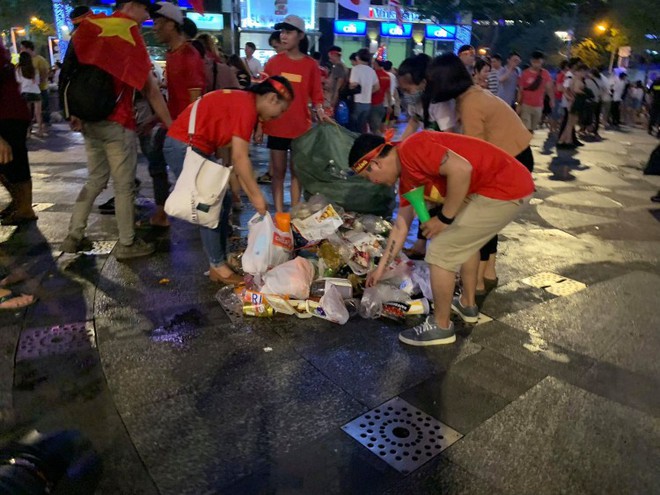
257	256
292	279
332	307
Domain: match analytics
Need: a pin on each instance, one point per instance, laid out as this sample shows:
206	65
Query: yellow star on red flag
115	26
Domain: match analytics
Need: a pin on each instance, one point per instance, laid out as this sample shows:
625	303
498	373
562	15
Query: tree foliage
590	52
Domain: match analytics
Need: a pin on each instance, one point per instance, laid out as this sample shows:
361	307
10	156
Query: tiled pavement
558	394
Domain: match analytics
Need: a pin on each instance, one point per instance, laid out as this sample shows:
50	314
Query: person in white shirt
364	76
618	87
605	84
252	63
28	79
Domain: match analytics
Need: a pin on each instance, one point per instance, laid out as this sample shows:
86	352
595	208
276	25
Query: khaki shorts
477	222
531	116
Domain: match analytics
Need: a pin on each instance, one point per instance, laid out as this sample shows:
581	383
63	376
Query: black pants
15	133
616	113
654	117
564	122
597	110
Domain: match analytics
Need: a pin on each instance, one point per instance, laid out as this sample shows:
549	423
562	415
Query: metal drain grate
61	339
401	435
555	284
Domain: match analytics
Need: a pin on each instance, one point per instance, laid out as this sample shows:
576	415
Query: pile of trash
314	262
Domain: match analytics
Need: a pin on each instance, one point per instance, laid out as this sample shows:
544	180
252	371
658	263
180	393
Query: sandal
12	301
147	225
233	279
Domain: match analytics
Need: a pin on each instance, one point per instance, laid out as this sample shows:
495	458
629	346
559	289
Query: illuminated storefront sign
435	32
262	14
351	28
387	13
207	20
392	30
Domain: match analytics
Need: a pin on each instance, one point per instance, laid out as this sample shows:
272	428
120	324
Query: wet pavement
556	391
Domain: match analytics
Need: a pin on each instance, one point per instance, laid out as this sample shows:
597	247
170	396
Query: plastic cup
416	199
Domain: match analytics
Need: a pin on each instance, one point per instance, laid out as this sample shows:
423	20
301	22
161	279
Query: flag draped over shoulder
114	44
197	5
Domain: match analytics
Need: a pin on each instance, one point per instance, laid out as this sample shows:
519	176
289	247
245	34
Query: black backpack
86	91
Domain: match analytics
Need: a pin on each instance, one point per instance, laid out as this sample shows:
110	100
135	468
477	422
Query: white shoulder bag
201	187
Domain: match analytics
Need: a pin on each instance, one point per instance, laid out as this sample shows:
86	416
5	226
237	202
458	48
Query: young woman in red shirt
227	118
303	73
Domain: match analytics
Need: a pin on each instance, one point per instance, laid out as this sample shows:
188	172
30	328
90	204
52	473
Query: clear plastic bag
292	278
371	306
256	259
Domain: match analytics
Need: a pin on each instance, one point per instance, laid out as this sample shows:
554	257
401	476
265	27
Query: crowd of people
470	121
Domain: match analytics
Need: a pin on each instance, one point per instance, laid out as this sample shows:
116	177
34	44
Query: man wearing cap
110	143
338	75
184	69
481	188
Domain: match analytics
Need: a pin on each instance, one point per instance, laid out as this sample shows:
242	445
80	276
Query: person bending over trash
482	189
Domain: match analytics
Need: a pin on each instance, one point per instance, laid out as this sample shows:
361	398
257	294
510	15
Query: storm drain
555	284
61	339
401	435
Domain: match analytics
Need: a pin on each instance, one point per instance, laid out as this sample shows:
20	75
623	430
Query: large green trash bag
321	160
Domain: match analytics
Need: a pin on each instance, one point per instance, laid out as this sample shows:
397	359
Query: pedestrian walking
618	95
508	78
380	99
365	77
28	78
481	72
494	75
42	67
533	85
303	73
253	64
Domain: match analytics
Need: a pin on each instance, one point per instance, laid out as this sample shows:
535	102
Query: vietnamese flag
114	44
197	5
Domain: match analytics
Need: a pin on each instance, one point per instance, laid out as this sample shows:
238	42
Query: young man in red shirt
110	143
533	85
381	99
481	188
186	79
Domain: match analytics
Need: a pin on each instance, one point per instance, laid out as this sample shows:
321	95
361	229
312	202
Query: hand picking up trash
314	262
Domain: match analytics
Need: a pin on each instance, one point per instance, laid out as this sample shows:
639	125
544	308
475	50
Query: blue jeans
152	148
215	241
360	116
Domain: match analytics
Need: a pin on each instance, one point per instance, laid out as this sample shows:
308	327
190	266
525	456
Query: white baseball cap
167	10
291	22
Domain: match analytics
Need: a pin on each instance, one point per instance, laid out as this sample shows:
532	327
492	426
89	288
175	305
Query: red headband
363	162
280	88
336	52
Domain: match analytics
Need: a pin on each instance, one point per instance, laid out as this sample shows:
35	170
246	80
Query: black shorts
278	143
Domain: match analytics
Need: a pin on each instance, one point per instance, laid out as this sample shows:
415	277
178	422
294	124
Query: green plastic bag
321	160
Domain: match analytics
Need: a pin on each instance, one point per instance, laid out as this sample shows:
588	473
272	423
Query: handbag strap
191	121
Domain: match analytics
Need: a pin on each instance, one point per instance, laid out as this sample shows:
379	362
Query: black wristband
444	219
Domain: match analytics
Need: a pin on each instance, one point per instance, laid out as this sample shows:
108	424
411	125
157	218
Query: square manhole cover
101	248
35	343
401	435
555	284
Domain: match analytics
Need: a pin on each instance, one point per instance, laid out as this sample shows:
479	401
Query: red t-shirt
495	173
221	115
185	70
305	77
558	84
378	98
533	98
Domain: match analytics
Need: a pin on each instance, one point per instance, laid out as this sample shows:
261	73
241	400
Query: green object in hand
416	199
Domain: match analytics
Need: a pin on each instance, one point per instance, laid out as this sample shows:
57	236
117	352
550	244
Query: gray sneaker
137	249
428	333
73	245
469	314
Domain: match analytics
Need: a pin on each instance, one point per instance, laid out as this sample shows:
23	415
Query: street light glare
601	27
34	18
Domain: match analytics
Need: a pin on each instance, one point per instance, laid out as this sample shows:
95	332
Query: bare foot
8	300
